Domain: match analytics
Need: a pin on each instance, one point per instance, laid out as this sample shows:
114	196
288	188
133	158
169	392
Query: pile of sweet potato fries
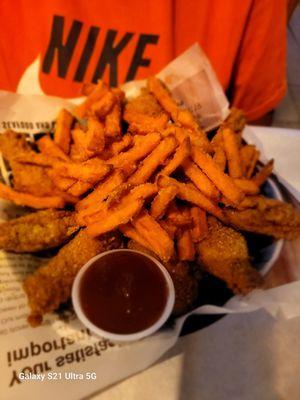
142	166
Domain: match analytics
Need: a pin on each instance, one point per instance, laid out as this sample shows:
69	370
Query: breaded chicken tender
271	217
28	178
224	254
51	284
32	179
37	231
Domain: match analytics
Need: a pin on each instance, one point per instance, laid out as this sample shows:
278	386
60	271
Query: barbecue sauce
123	292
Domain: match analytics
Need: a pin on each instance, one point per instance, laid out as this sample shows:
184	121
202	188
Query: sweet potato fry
95	140
263	174
199	179
115	196
222	181
129	231
220	157
59	181
177	131
91	215
169	227
179	217
102	190
190	193
145	124
69	198
113	121
95	95
119	215
162	200
113	118
140	150
116	147
92	170
79	151
156	236
181	116
79	188
95	211
236	120
144	191
200	227
247	186
62	132
28	200
232	153
252	165
151	163
181	153
49	148
185	246
128	169
217	140
198	138
247	153
103	106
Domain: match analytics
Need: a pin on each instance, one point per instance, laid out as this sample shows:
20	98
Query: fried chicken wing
51	284
224	254
270	217
37	231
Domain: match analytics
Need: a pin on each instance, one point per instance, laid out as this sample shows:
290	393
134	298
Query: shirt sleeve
260	71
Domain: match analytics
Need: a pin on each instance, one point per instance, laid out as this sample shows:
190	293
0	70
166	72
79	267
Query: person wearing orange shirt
75	41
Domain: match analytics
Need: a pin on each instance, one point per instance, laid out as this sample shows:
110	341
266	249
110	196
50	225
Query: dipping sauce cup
123	295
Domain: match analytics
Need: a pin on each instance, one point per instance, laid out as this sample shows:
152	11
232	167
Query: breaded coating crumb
224	254
51	284
37	231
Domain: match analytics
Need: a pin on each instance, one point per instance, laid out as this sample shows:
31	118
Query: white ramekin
122	337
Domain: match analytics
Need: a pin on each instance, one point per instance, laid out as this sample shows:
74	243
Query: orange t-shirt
79	41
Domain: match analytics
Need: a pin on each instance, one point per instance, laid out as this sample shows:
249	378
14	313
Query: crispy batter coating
27	178
32	179
13	144
271	217
224	254
186	287
51	284
37	231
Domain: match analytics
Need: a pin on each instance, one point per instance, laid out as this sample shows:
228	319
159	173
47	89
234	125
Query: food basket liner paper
62	344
